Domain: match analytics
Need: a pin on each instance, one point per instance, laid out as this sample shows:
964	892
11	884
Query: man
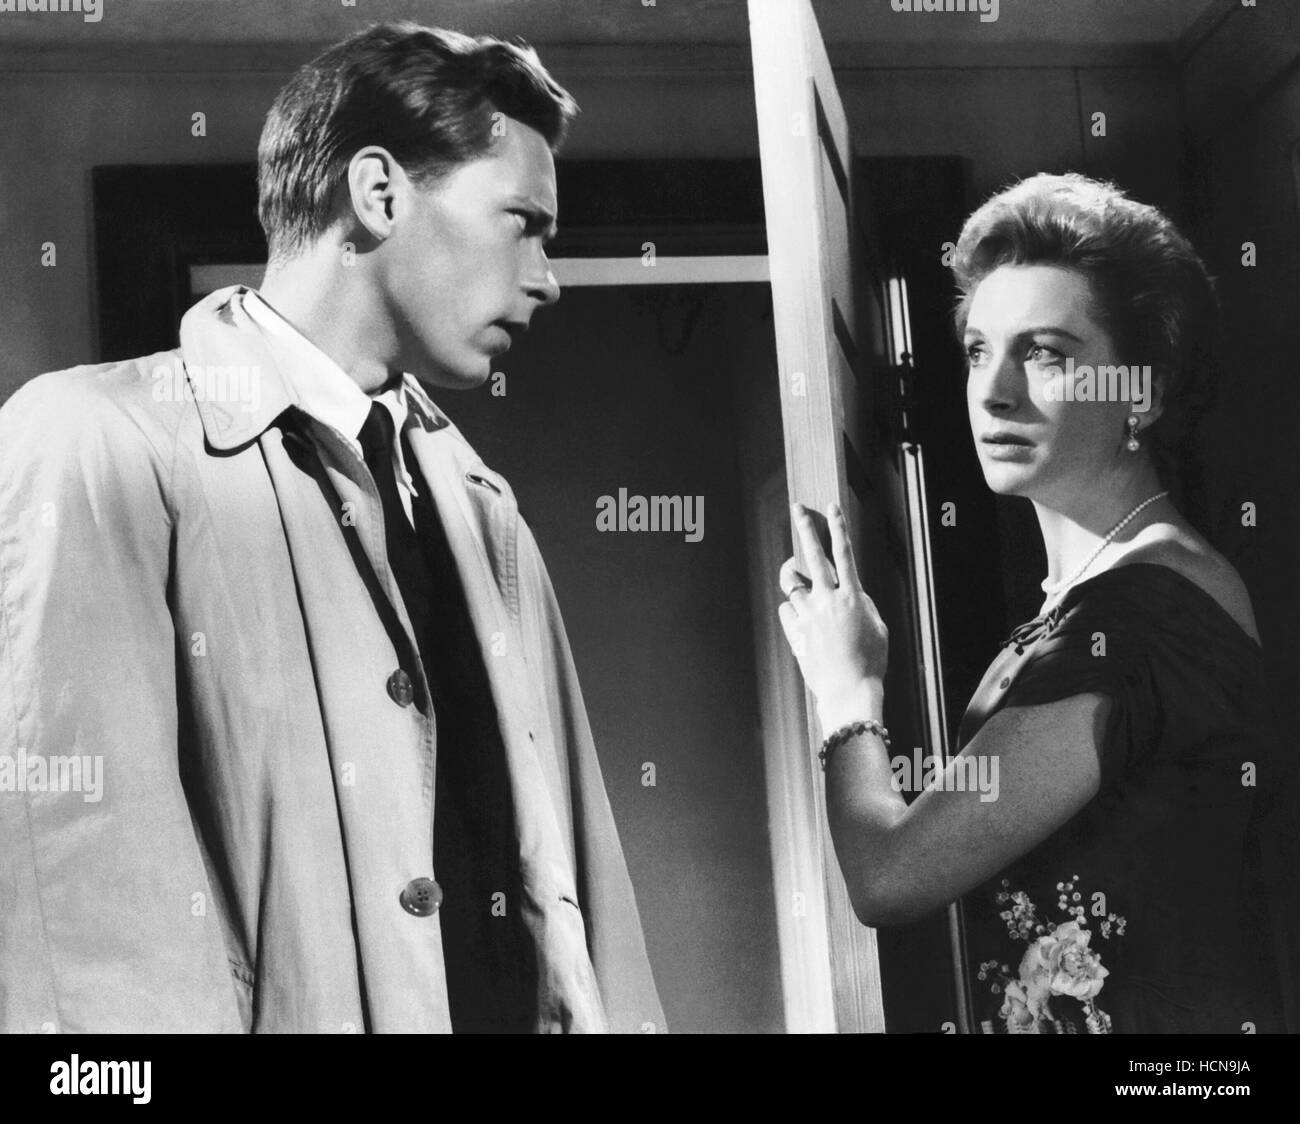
298	629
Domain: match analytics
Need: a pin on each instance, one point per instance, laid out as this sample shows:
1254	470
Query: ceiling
604	22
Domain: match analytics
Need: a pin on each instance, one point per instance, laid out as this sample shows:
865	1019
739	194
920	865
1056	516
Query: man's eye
523	218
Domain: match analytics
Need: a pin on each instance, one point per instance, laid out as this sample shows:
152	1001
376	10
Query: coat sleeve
614	936
106	916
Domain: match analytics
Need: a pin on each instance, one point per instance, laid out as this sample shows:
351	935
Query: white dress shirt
330	394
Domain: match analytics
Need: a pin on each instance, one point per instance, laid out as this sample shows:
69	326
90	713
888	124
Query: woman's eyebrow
1048	329
1027	333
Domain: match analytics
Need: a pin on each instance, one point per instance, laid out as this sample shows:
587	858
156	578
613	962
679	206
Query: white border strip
569	272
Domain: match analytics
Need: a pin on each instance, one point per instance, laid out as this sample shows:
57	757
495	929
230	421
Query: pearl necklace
1051	589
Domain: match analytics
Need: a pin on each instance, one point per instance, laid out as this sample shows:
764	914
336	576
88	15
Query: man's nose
541	284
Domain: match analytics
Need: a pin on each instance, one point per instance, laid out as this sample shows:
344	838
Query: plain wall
1252	159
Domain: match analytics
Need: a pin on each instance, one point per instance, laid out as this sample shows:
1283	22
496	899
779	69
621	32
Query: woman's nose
1001	382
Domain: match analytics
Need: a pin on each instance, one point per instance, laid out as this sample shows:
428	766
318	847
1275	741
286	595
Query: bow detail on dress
1030	631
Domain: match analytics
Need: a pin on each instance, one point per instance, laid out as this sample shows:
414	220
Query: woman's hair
426	95
1150	289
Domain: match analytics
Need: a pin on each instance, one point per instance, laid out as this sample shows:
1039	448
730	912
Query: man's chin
447	377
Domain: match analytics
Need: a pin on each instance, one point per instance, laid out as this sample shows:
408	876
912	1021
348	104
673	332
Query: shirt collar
224	328
323	389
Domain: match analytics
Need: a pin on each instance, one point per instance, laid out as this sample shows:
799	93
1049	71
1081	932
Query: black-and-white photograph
721	517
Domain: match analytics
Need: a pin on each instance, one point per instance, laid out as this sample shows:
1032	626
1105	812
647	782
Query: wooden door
835	323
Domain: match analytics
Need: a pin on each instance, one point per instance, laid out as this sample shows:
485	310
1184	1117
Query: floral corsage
1057	966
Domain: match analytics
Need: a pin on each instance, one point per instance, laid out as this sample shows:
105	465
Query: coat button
400	688
1005	683
421	897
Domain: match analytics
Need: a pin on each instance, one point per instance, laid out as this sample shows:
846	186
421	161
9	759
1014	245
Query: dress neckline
1030	630
1195	586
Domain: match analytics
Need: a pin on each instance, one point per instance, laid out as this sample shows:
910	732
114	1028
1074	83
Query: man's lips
508	331
513	328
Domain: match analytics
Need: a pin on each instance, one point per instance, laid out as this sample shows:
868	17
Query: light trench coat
178	600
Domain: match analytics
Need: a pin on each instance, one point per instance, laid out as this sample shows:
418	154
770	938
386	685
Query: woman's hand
833	627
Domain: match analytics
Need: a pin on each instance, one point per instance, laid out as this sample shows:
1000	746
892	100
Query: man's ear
372	181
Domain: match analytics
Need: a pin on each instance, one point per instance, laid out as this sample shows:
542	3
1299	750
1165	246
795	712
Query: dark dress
1173	837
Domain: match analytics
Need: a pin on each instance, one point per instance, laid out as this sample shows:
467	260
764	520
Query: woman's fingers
842	547
789	625
792	582
832	626
819	566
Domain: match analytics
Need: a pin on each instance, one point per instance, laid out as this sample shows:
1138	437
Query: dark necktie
376	440
406	559
491	976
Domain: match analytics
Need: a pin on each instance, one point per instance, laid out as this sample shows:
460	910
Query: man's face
466	267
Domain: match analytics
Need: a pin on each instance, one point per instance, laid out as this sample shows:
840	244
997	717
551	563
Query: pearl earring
1132	444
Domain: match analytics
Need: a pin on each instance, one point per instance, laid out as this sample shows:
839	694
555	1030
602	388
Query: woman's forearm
862	805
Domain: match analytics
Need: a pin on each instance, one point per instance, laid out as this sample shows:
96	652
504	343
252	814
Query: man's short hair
426	95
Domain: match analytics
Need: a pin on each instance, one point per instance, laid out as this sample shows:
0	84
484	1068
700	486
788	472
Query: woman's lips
1007	451
1005	439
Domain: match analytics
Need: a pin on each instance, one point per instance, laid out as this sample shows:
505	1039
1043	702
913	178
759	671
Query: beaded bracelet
840	736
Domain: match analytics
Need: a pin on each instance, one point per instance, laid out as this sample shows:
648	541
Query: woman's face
1025	323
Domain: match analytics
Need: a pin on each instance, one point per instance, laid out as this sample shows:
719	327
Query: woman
1126	721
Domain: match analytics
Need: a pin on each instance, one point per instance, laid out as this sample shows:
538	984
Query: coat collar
217	334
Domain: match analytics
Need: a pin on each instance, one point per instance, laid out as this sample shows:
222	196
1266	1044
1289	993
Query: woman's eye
522	216
1041	353
974	354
